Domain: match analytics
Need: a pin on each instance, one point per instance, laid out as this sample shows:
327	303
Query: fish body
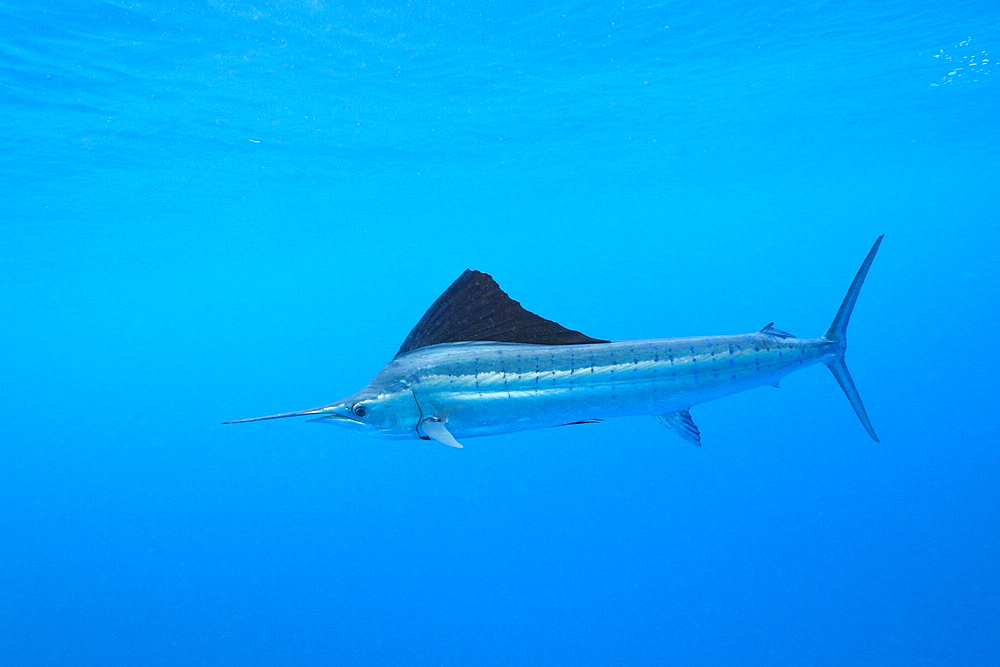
490	388
479	364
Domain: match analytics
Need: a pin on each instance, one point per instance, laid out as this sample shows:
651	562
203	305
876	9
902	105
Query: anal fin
680	422
438	431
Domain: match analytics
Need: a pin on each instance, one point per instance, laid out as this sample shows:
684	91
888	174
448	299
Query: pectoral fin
438	431
680	422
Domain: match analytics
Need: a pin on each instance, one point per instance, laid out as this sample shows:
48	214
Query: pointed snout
339	411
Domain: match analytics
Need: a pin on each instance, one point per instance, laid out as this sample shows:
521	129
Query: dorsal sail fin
474	308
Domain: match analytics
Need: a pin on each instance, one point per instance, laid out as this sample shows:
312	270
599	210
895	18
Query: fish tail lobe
837	333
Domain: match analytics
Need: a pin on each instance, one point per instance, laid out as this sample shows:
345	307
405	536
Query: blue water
215	210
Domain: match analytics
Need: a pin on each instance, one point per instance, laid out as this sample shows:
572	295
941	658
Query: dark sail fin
474	308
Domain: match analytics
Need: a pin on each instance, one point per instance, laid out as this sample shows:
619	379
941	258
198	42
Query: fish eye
359	410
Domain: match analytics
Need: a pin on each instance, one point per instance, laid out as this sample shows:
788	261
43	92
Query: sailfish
477	363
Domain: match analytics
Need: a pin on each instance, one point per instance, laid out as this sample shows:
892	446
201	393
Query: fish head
386	413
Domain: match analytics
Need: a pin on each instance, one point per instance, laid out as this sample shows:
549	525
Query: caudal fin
837	333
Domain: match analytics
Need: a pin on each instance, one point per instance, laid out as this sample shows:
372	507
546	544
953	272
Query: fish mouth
338	418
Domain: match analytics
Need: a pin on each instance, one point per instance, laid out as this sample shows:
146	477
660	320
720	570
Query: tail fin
837	333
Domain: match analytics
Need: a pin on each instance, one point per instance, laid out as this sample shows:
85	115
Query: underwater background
217	210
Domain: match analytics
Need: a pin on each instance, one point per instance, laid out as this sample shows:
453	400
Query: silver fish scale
483	388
